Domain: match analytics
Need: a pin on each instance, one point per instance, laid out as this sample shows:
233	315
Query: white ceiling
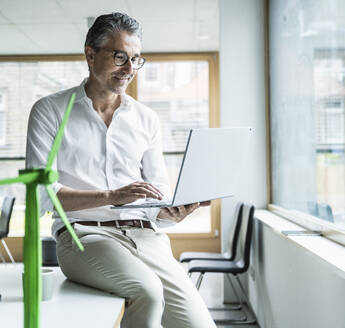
60	26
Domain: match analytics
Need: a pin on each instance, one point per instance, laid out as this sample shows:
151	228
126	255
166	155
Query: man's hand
133	192
179	213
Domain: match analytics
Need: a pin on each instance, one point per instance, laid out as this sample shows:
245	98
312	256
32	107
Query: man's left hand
179	213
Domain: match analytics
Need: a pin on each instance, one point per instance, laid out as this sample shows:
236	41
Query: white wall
288	286
242	95
292	287
242	91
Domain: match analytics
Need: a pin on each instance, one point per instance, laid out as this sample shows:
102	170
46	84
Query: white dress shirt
93	156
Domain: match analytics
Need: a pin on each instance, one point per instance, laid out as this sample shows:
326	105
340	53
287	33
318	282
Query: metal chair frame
228	255
240	263
6	212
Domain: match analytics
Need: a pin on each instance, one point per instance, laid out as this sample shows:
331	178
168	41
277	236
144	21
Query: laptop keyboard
156	201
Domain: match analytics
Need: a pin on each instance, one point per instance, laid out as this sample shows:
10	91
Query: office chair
232	242
325	212
6	212
238	265
321	210
49	252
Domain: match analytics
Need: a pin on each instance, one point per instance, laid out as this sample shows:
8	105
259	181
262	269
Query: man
111	154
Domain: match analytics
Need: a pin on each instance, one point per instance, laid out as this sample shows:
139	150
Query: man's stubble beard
122	90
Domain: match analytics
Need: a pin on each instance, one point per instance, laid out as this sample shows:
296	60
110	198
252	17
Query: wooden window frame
209	241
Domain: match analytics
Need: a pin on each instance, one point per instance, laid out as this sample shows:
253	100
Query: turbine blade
62	214
10	180
59	135
21	178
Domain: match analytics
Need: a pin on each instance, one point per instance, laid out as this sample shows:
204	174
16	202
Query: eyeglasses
121	59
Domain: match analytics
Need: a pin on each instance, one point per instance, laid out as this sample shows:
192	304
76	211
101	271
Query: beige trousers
136	264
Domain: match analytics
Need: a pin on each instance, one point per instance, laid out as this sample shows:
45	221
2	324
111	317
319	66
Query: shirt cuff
46	203
56	187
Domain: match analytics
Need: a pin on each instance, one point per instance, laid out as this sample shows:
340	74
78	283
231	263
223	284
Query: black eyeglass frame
126	58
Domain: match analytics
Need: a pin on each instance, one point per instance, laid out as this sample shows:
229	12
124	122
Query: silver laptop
209	169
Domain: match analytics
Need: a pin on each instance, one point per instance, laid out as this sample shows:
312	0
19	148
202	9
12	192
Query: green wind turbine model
32	243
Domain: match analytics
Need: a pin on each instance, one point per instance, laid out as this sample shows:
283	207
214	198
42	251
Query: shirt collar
81	94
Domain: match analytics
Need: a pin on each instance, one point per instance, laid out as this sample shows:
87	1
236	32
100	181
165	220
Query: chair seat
224	266
189	256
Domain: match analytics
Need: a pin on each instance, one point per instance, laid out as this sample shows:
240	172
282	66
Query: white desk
72	305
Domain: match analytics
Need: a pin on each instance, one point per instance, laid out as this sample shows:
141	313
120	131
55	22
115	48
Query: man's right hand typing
75	199
133	192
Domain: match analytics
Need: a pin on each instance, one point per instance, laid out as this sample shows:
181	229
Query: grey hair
105	24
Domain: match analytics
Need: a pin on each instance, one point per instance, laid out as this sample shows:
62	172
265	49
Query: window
180	94
151	72
307	87
32	77
21	84
3	117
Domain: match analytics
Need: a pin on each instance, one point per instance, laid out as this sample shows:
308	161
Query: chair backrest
6	212
321	210
245	237
312	208
234	231
325	212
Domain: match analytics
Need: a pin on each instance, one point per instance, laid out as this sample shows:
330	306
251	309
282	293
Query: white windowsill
327	251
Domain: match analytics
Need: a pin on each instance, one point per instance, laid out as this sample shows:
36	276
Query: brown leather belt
114	223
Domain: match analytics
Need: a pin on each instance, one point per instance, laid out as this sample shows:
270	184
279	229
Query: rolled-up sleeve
42	128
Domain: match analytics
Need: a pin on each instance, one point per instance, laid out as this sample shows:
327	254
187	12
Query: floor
211	291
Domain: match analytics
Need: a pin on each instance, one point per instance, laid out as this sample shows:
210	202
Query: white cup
48	283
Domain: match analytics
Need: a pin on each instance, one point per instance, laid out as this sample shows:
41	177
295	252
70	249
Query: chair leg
244	319
235	307
239	300
8	251
200	278
246	298
2	258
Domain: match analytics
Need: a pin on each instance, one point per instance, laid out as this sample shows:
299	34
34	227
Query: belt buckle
117	226
141	224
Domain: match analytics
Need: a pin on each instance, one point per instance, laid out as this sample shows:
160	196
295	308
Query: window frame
15	242
209	241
